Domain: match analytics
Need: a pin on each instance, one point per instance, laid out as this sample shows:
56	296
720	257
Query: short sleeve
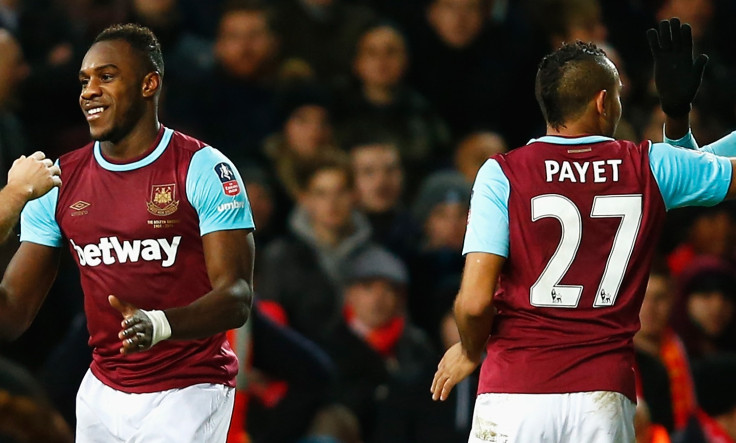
488	219
38	221
688	141
689	178
216	191
725	146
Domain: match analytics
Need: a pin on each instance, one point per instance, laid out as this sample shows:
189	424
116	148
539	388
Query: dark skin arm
26	282
676	127
474	317
229	259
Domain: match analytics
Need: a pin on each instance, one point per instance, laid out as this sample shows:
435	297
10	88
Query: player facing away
161	229
558	248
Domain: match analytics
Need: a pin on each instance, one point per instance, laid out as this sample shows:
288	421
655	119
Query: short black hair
569	78
141	39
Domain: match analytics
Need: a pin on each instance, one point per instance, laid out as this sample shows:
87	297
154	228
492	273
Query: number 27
547	291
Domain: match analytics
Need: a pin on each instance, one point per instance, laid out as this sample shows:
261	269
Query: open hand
676	75
137	329
453	368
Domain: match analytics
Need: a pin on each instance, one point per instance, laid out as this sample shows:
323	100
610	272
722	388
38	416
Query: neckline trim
557	140
145	161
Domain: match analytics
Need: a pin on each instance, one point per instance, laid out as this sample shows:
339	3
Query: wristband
161	326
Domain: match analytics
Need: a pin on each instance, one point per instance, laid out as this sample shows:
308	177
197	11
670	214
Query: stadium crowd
358	127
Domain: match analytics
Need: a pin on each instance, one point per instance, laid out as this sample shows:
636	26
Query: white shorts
580	417
198	413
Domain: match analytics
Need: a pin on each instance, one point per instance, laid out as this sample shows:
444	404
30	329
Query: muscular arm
229	258
12	200
24	286
474	302
676	128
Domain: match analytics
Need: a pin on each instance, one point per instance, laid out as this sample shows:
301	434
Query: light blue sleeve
216	191
38	221
687	142
689	178
725	147
488	220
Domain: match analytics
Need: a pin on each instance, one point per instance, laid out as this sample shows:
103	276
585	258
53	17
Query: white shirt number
547	291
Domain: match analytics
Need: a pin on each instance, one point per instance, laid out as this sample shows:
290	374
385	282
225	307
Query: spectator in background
408	415
13	70
306	135
187	55
234	107
303	271
50	42
373	344
321	34
441	210
705	311
656	339
709	231
379	101
571	20
715	422
283	378
463	66
474	149
379	184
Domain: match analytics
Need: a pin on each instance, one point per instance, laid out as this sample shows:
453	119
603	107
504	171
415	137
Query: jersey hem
159	386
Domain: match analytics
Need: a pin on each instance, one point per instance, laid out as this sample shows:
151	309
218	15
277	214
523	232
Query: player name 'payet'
599	171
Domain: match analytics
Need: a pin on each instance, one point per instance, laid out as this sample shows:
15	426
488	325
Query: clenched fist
34	175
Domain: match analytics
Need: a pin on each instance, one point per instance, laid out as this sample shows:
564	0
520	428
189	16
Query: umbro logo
79	208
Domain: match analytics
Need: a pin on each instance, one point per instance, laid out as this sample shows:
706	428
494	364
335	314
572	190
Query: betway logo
230	205
110	250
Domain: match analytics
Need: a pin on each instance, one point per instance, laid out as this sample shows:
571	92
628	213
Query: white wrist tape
161	326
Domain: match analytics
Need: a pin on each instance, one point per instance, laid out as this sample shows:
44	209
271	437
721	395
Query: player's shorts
580	417
198	413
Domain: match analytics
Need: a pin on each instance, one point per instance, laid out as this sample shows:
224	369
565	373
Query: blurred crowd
358	127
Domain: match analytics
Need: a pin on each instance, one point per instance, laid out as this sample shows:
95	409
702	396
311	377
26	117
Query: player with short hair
160	227
559	243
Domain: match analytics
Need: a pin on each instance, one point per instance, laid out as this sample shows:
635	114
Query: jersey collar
584	140
145	161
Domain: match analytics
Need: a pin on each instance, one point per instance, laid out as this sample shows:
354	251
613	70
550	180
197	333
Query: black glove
676	76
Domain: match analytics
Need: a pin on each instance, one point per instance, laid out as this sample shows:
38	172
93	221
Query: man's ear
151	84
600	101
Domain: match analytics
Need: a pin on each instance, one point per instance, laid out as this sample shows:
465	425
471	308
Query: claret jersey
135	230
585	215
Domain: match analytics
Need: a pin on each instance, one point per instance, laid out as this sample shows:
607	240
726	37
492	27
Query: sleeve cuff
688	141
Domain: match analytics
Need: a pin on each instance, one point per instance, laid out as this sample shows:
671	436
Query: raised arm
677	75
29	178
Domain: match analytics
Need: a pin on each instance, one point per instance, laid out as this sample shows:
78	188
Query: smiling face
115	89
